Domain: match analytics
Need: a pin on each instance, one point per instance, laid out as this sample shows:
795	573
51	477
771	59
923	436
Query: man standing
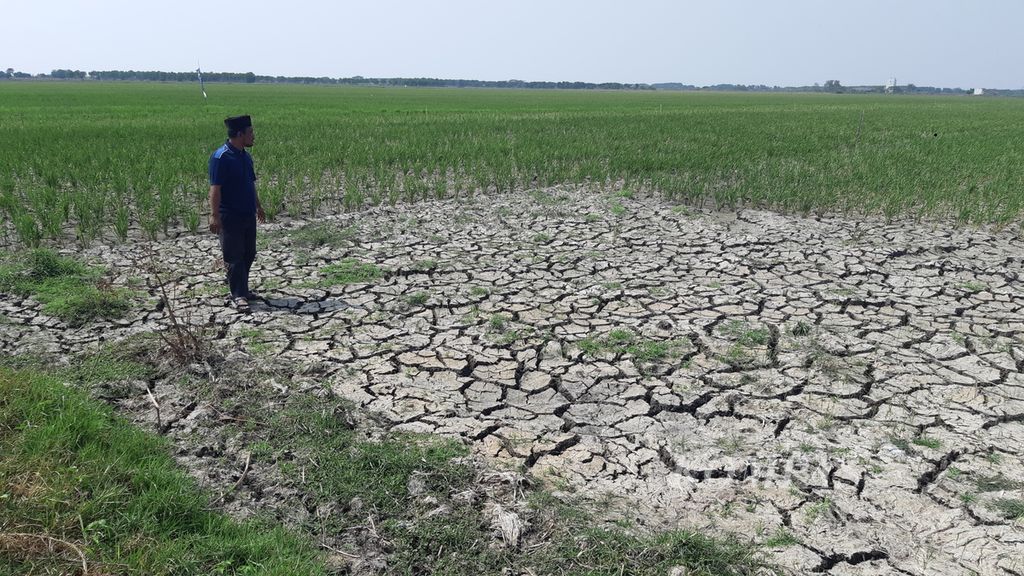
235	207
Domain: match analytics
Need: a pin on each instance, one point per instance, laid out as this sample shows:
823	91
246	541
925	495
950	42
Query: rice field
81	161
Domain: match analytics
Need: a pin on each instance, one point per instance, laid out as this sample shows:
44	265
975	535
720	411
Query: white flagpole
199	72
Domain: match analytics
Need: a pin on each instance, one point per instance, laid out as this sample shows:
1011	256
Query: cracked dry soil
851	382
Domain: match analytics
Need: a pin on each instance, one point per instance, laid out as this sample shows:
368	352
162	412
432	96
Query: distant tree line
830	86
835	87
11	73
250	78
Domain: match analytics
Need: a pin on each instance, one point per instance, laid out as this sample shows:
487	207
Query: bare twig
375	534
245	471
186	341
336	551
156	405
51	540
224	417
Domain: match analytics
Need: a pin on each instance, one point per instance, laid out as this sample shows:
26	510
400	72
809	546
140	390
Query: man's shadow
299	305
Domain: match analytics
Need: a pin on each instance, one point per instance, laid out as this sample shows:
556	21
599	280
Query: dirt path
852	383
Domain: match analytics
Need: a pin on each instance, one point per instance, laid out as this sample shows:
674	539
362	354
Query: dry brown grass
49	551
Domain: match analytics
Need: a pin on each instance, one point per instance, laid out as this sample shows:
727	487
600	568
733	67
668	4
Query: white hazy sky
951	43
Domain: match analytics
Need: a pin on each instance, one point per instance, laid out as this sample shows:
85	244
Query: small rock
416	485
442	510
508	524
464	497
552	351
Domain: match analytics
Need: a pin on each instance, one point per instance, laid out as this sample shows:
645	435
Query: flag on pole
202	88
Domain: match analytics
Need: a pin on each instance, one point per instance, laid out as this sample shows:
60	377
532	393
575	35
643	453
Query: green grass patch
996	483
314	236
800	329
621	341
901	443
579	545
508	337
110	364
781	539
255	340
820	509
350	271
424	265
72	470
928	442
1009	508
498	322
67	289
417	298
348	466
745	334
972	286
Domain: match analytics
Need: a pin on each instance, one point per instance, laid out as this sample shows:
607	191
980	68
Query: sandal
240	304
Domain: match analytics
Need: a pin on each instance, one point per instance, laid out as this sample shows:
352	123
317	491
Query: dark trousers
238	243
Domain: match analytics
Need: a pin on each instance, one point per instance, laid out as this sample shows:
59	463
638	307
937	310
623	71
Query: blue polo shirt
232	169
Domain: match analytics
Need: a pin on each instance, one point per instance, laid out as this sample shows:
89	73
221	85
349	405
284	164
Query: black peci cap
238	123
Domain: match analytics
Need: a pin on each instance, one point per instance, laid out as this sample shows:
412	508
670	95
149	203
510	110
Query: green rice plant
789	152
166	207
293	202
192	219
272	199
26	228
122	220
350	271
355	182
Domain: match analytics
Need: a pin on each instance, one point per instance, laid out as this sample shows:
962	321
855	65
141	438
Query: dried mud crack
847	381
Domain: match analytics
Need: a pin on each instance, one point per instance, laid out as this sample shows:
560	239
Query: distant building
978	92
890	85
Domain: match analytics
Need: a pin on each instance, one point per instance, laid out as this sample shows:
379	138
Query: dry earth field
855	383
